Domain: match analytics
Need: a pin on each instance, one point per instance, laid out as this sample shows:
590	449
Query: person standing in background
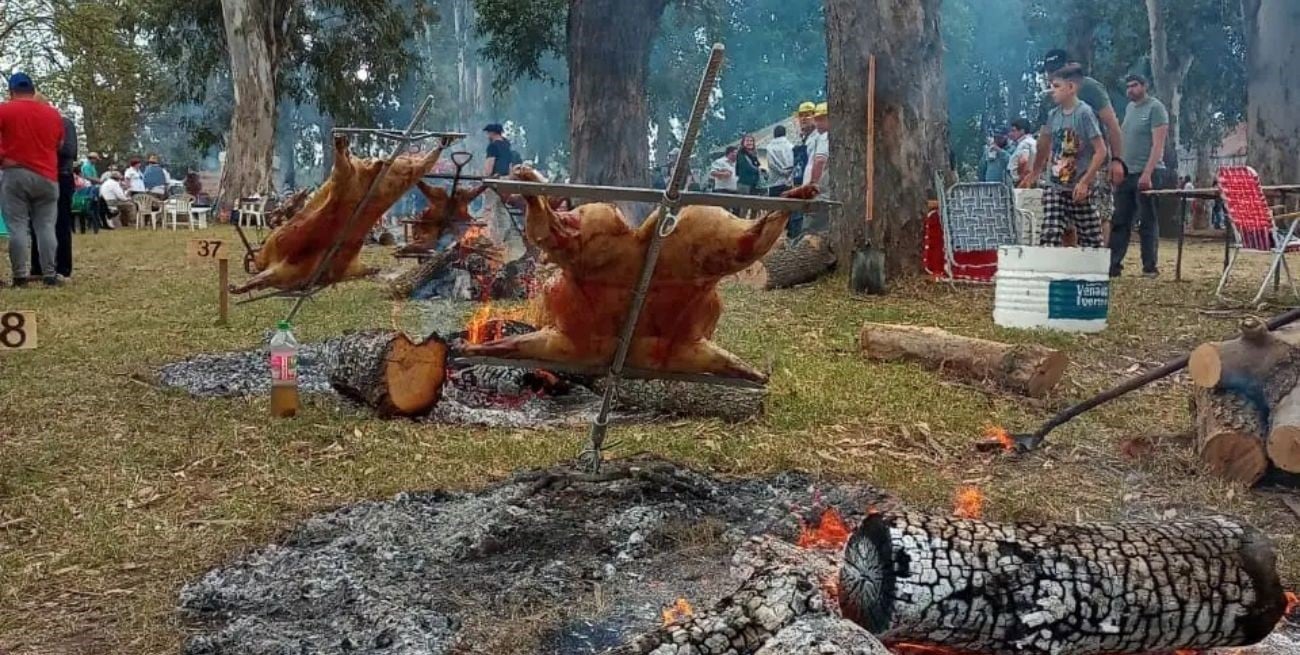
723	172
1073	140
90	168
67	160
30	134
780	162
134	177
748	171
1146	127
819	149
498	152
1024	149
997	158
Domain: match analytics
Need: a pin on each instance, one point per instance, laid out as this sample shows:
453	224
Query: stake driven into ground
114	493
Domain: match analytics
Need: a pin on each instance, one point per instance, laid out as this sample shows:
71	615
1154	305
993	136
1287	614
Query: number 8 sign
17	330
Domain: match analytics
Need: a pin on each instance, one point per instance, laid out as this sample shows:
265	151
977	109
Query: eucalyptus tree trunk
250	34
1203	177
911	123
1169	69
1272	75
608	107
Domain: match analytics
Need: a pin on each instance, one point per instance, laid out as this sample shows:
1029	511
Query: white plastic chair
148	208
252	211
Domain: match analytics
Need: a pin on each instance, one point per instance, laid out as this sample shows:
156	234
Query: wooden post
223	289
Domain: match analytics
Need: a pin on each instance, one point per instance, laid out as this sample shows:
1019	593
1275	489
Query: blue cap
21	83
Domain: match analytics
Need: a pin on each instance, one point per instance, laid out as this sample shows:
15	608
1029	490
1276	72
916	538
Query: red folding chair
1254	226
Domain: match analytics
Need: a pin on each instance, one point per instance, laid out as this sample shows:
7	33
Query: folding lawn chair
1254	226
976	218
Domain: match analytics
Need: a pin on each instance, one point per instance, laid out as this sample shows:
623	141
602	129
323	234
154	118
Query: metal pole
327	261
667	222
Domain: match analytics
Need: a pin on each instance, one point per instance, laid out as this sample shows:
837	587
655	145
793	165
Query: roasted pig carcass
600	257
443	213
292	252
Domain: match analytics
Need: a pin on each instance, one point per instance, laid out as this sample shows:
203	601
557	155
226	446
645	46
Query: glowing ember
830	533
969	503
481	326
1292	603
922	649
999	434
679	611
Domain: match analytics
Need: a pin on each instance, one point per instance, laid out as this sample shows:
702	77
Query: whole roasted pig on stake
292	252
600	257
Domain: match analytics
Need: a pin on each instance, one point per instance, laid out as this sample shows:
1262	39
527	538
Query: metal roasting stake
403	140
667	222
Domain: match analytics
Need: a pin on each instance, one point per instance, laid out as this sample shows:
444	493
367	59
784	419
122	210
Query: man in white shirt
819	150
135	177
117	199
723	172
780	163
1023	152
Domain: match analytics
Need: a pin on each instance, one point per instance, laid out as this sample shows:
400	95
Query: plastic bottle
284	372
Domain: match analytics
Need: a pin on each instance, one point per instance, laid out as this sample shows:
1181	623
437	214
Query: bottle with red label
284	372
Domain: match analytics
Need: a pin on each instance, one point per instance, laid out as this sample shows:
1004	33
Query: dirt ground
114	493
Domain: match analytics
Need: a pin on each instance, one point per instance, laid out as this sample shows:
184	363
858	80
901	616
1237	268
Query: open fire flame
1000	435
1292	604
830	532
678	612
968	503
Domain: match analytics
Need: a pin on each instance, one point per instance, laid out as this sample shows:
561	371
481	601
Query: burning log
1028	369
781	600
1043	589
294	250
789	265
1229	435
390	373
688	400
600	257
402	286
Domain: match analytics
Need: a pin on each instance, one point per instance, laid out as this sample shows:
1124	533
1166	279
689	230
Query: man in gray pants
30	133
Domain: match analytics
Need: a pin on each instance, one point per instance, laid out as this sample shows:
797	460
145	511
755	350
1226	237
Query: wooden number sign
201	250
17	330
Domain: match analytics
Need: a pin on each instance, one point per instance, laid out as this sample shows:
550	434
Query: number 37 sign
17	330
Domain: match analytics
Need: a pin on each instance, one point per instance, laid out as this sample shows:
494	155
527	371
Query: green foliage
519	35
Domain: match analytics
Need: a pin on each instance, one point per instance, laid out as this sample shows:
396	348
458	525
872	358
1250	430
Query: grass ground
114	493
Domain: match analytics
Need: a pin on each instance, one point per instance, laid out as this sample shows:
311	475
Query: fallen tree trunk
1284	433
1042	589
791	265
1028	369
389	373
1229	435
688	400
780	608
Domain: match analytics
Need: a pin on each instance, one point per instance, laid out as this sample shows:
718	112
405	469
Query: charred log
782	589
1028	369
1042	589
791	265
389	373
401	287
688	400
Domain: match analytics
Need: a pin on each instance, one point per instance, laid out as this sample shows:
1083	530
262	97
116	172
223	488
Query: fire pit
650	558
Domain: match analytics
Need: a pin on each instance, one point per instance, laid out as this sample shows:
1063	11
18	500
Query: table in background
1212	193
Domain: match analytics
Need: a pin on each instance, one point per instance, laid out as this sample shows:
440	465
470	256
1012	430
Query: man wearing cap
498	152
90	168
997	157
155	177
1146	126
1094	94
819	148
30	135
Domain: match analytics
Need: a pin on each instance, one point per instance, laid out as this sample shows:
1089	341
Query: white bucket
1058	288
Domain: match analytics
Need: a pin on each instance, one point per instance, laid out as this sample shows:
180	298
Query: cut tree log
1229	435
790	265
1284	433
1028	369
1249	362
1044	589
782	607
389	373
402	286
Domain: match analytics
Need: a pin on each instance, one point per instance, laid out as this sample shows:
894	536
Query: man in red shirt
30	134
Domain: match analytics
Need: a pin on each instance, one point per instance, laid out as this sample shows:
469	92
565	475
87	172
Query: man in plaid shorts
1072	140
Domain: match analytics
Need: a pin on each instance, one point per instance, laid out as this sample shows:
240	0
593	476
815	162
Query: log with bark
1259	362
1045	589
789	264
1028	369
782	607
402	286
291	254
390	373
1229	435
1284	433
688	400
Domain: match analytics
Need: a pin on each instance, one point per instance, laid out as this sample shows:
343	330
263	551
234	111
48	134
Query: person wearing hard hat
804	119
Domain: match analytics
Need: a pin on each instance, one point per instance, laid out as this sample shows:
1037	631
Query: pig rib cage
403	139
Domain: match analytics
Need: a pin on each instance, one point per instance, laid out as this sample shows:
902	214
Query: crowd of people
41	179
1092	168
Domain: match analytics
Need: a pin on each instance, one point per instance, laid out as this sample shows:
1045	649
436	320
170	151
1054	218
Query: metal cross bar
633	194
403	140
596	370
414	137
668	204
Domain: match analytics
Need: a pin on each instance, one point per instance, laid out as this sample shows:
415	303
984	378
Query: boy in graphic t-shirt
1078	152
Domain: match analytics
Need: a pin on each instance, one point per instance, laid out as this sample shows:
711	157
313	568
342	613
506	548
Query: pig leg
701	356
547	345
